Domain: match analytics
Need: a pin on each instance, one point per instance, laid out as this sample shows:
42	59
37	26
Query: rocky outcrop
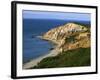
69	36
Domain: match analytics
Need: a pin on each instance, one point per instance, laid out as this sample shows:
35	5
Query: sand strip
34	62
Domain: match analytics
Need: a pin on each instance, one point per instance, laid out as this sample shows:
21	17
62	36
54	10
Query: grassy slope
71	58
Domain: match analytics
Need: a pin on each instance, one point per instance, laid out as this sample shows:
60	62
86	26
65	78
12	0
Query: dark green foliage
71	39
86	25
71	58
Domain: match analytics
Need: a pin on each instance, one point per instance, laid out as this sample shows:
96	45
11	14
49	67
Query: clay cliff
69	36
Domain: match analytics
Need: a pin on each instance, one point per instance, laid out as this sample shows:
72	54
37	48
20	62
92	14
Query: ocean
34	47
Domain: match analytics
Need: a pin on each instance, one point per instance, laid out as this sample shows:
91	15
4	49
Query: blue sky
56	15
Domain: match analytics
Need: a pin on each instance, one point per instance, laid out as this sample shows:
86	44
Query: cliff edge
69	36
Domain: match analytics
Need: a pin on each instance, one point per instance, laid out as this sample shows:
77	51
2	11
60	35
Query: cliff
69	36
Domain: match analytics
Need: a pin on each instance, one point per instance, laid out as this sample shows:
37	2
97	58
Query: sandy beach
34	62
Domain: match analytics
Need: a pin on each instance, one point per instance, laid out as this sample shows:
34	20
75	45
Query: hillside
72	58
69	36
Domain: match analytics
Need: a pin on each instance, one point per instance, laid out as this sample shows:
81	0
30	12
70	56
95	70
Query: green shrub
71	58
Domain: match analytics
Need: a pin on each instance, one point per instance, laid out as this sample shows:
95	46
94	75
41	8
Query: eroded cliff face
69	36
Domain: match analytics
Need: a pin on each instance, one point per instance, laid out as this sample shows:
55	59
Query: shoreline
47	39
34	62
